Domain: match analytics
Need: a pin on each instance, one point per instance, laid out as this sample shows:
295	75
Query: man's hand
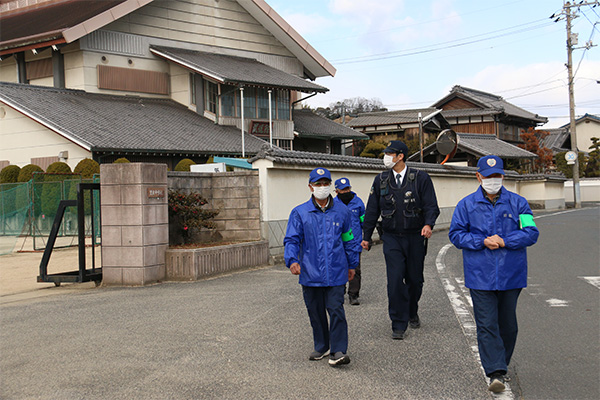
426	231
498	240
351	273
295	268
365	244
491	243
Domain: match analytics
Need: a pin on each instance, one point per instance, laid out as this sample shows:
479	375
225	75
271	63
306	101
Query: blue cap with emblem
342	183
489	165
319	173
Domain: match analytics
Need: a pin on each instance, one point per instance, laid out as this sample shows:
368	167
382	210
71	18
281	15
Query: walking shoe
496	383
338	358
415	322
354	300
397	335
316	356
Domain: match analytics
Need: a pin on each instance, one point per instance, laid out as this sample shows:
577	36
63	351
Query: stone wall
235	194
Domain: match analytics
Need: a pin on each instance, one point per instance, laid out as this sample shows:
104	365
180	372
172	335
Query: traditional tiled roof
586	116
481	145
55	22
309	159
310	125
489	101
556	140
100	122
235	70
469	112
398	117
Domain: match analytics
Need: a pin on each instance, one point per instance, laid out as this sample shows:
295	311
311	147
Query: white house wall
23	139
586	130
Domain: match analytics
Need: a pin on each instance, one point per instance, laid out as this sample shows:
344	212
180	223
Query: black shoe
354	300
496	383
415	322
397	335
338	358
316	356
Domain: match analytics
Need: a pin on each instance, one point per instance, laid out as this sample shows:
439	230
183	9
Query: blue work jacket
474	219
357	210
322	243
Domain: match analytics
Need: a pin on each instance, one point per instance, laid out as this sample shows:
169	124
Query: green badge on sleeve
348	236
525	220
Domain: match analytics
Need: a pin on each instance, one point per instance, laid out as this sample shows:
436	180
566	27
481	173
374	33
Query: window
192	90
229	96
283	104
262	101
210	100
284	144
250	102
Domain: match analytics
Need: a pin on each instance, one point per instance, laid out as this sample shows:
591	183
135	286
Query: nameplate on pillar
155	193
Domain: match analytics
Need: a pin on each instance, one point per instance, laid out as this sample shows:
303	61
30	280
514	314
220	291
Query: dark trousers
354	284
404	258
496	319
321	301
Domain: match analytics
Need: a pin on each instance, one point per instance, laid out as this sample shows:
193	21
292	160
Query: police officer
320	247
405	200
356	206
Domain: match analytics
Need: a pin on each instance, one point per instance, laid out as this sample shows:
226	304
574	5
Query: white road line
456	292
561	212
557	303
592	280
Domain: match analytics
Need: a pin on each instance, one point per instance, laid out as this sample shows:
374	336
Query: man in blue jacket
320	247
356	206
493	227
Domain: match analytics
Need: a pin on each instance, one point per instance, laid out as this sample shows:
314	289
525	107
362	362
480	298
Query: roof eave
289	37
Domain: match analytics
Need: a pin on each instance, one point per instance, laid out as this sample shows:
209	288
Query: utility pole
572	41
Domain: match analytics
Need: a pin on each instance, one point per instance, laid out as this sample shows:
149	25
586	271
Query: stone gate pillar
135	223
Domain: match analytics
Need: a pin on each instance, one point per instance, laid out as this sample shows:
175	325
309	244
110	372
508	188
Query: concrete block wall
135	223
235	194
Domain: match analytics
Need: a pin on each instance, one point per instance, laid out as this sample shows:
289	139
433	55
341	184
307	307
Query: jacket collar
318	207
482	197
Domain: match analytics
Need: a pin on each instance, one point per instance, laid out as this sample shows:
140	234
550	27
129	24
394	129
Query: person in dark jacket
320	248
493	227
405	200
356	206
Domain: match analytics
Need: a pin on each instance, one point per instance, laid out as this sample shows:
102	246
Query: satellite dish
447	144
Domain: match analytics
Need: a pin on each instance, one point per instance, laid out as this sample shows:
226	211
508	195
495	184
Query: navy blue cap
489	165
342	183
319	173
396	146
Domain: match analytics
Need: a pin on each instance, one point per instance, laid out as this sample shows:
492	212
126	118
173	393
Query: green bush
27	172
10	174
184	165
58	167
121	160
592	169
187	217
87	168
373	150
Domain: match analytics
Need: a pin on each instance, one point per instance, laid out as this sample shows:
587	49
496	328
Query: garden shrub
10	174
27	172
87	168
184	165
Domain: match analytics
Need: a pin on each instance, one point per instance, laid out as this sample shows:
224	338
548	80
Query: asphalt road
558	348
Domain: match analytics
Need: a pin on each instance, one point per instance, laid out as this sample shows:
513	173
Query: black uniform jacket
404	209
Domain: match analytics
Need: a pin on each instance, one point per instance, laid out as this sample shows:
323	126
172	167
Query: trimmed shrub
10	174
373	150
27	172
121	160
87	168
184	165
58	167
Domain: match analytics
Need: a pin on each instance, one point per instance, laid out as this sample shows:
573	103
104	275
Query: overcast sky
410	53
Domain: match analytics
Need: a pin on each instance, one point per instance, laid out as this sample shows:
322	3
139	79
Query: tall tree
532	142
593	165
352	106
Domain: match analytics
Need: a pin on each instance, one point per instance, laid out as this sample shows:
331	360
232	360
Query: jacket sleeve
351	246
430	205
293	239
528	234
460	230
372	211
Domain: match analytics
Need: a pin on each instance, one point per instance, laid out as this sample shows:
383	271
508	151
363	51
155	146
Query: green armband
348	236
362	218
525	220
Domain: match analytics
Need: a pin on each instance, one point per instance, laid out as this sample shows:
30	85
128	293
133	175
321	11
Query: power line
438	46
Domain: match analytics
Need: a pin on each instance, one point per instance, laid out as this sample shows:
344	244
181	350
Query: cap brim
319	179
492	171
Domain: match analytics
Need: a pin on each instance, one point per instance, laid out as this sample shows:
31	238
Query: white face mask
491	185
387	161
321	192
